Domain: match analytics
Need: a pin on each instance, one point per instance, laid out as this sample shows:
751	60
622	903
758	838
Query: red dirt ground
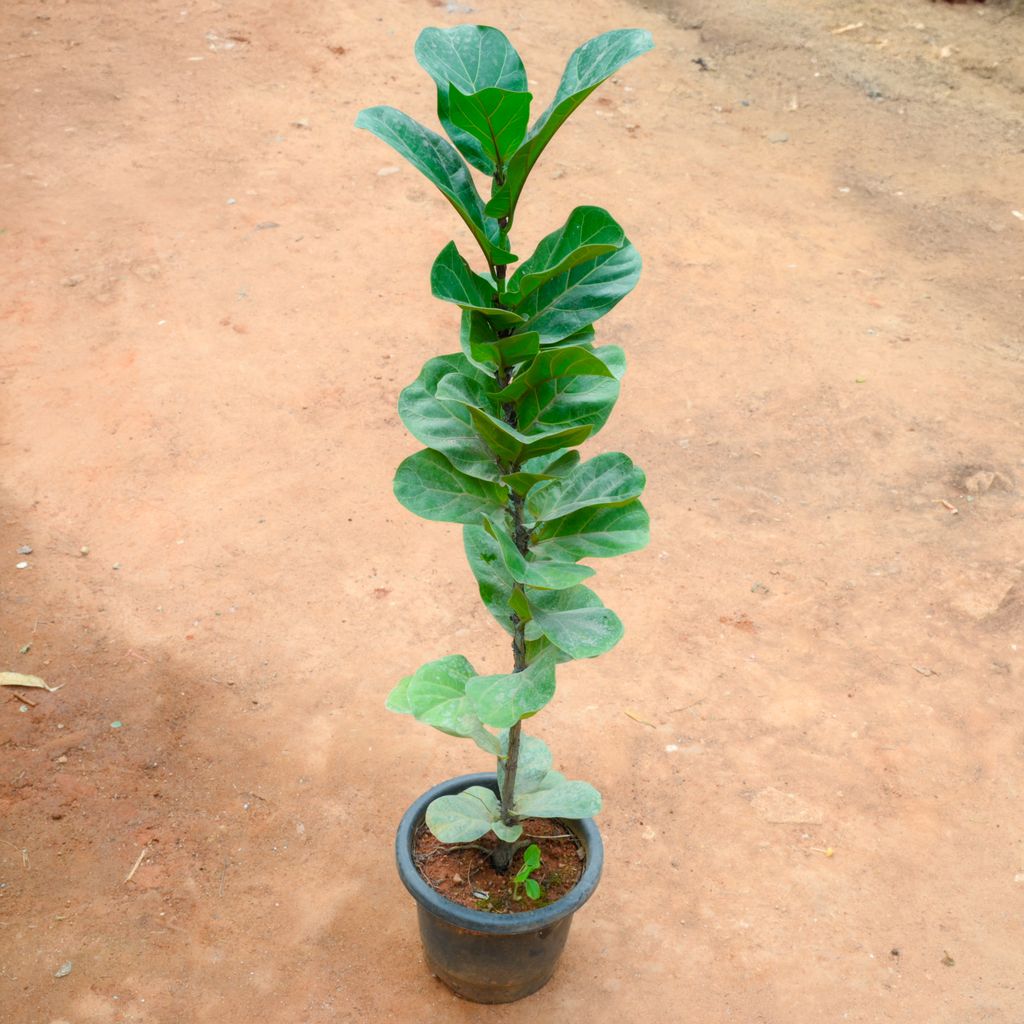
825	639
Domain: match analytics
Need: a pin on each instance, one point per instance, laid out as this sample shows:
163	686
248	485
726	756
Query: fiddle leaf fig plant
502	417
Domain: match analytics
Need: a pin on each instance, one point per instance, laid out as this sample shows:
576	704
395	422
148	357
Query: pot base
491	968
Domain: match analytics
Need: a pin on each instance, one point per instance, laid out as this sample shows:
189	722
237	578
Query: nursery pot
484	957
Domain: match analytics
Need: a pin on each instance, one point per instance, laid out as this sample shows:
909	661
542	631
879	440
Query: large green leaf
502	700
513	446
470	58
590	65
463	817
446	425
453	280
496	118
581	633
608	479
563	800
594	532
551	364
572	401
588	233
428	485
435	158
492	577
436	695
574	299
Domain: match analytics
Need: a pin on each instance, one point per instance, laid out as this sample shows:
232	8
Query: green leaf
502	700
470	58
496	118
583	633
492	577
588	233
435	158
608	479
545	467
568	401
463	817
513	446
446	425
436	695
482	344
567	800
398	698
532	888
552	364
588	67
594	532
543	575
576	298
531	857
428	485
453	280
534	764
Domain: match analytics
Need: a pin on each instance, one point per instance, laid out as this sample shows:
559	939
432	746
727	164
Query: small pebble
231	202
116	725
266	225
481	895
385	171
25	549
21	565
83	550
777	136
64	970
116	565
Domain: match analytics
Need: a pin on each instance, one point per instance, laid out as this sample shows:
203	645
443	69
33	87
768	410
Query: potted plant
501	420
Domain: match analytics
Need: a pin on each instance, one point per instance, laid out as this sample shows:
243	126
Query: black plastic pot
492	958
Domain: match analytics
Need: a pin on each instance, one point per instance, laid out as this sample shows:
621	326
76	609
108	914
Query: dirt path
211	298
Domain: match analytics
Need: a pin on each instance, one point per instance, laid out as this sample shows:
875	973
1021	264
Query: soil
460	872
810	743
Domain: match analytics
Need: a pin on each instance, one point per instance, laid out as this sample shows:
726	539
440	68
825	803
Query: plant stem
502	856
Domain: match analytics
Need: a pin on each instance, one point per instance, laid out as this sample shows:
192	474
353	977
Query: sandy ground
211	298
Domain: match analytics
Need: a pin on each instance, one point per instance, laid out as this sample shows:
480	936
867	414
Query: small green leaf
550	365
594	532
576	298
492	577
428	485
540	574
534	762
482	344
511	445
532	888
468	58
463	817
573	401
502	700
453	280
567	800
398	698
608	479
518	603
581	633
436	696
588	67
435	158
588	233
496	118
531	857
446	425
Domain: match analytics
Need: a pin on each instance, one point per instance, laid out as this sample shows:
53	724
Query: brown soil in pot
462	872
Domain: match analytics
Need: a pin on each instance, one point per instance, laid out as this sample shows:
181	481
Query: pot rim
478	920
